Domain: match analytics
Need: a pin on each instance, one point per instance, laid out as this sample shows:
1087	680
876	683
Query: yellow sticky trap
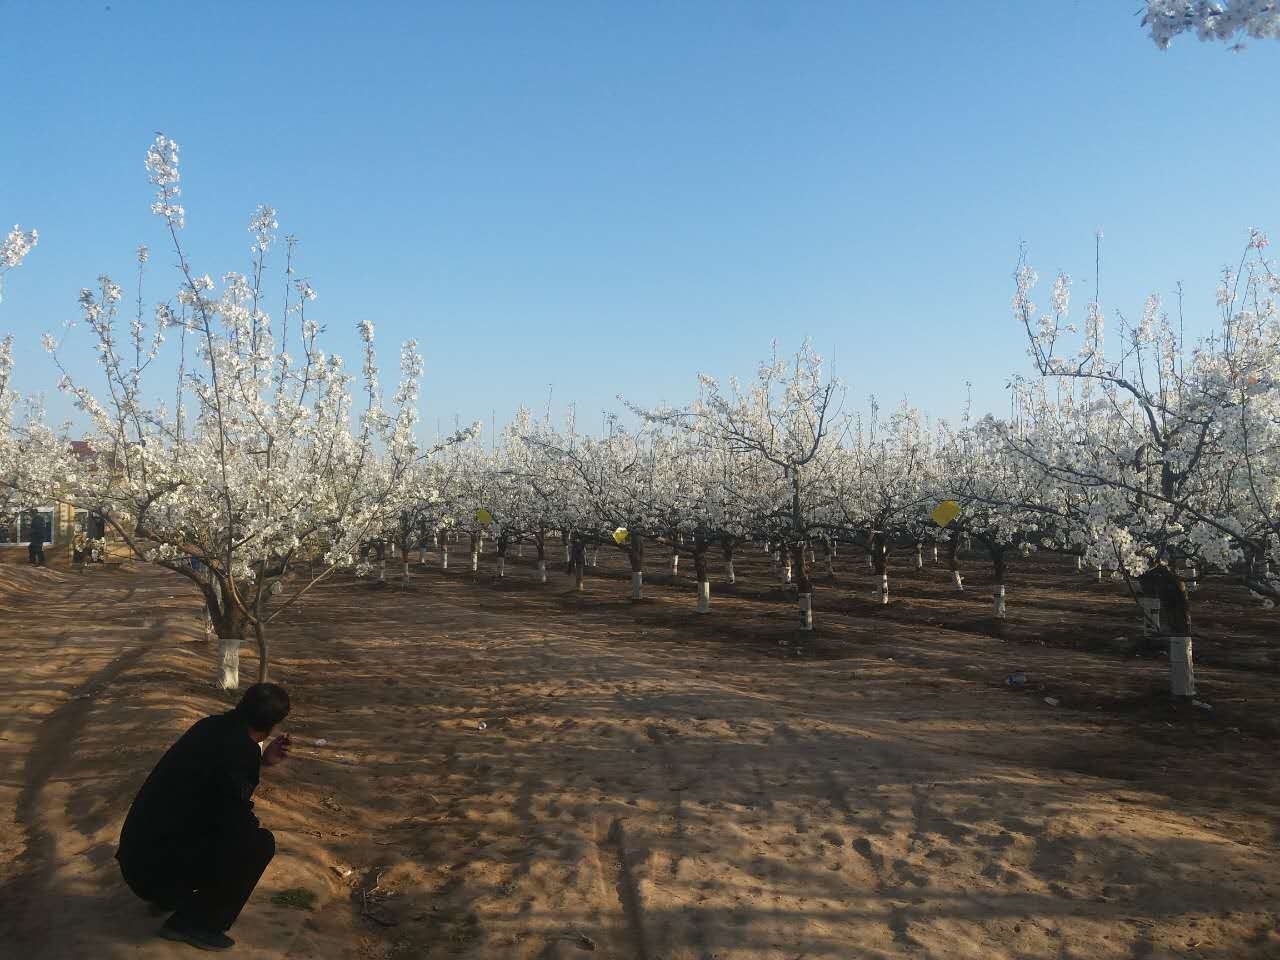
945	512
483	516
621	536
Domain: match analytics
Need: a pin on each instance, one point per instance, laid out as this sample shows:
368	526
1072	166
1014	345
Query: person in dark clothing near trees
191	843
35	546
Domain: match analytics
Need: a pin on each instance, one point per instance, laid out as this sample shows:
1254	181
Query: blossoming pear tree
878	481
1178	445
532	493
262	454
783	420
1003	505
33	454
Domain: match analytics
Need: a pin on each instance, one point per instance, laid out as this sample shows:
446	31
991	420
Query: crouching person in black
191	843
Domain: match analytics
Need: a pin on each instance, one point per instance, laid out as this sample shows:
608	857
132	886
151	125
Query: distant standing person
191	842
577	555
35	547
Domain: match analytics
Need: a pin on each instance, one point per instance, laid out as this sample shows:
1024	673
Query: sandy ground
516	771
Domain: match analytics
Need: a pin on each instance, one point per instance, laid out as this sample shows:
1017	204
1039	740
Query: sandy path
633	793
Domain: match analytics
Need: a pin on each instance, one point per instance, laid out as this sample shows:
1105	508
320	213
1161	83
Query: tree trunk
998	564
230	625
1168	600
804	587
880	563
264	660
1182	675
229	662
700	570
919	555
635	555
727	546
953	561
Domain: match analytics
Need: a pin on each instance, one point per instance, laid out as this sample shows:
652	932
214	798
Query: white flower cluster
1212	20
15	247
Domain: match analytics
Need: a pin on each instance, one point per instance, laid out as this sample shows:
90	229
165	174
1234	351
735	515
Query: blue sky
609	197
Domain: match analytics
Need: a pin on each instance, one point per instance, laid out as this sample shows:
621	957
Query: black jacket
198	795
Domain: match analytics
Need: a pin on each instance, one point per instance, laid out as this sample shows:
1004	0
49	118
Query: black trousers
208	886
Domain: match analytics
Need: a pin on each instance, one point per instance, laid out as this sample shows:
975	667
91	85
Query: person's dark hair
263	706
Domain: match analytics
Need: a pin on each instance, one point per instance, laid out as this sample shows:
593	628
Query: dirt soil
512	770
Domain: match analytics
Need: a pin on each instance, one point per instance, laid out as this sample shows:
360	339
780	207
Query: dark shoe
202	939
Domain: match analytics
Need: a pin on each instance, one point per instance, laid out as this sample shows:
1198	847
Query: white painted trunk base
884	588
704	596
1099	574
382	570
805	601
637	586
935	553
520	550
229	663
542	571
595	553
579	575
997	600
444	558
502	567
919	558
475	561
786	572
957	580
1182	675
675	564
1079	563
729	574
422	556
